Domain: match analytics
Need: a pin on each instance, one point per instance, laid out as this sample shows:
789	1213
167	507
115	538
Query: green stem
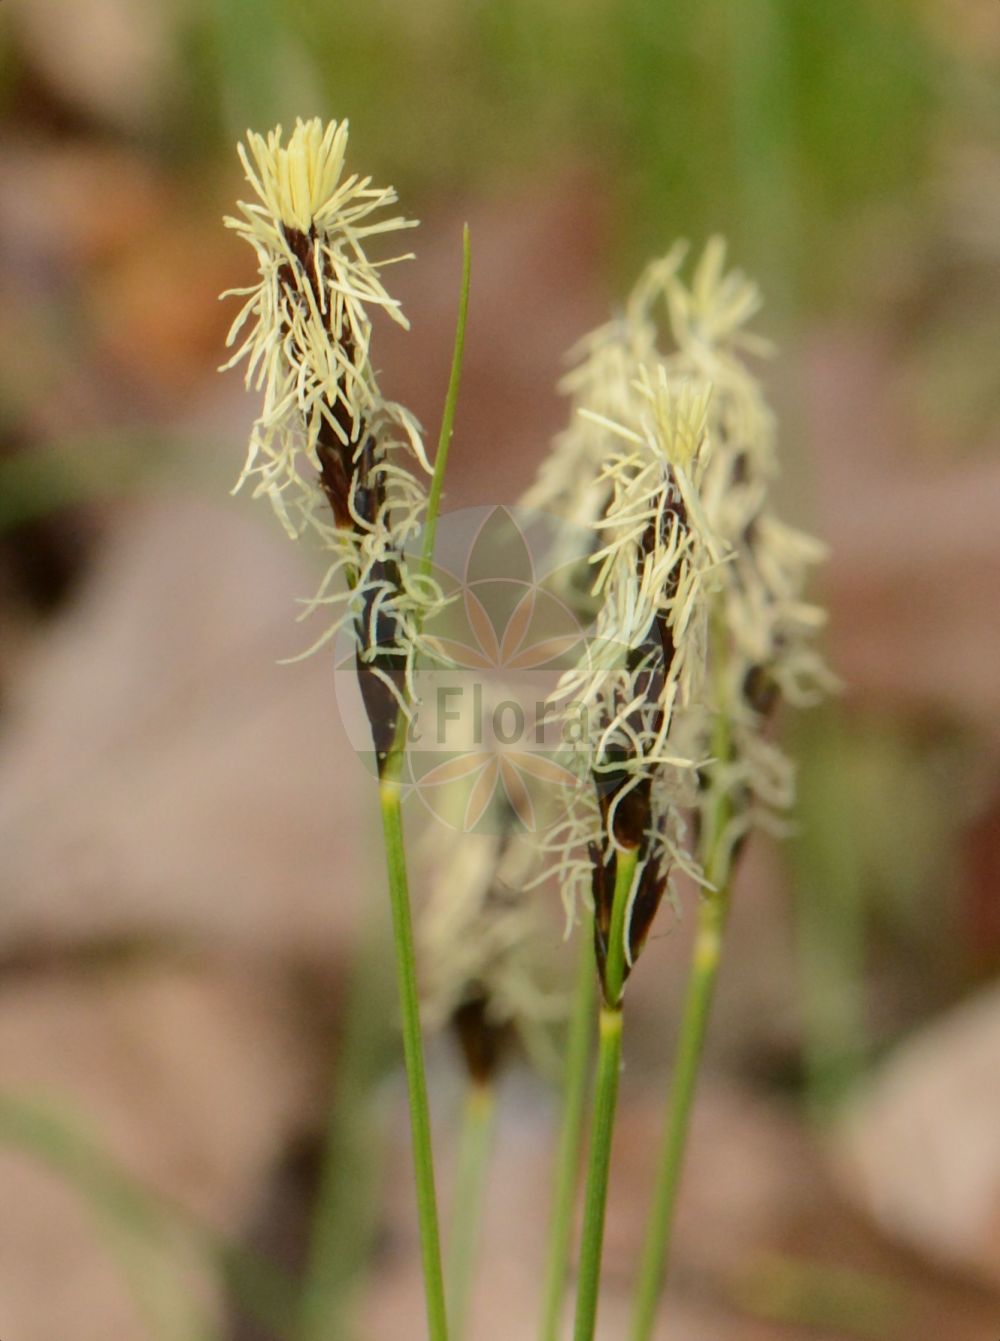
697	1005
712	915
390	797
605	1102
574	1101
448	415
475	1145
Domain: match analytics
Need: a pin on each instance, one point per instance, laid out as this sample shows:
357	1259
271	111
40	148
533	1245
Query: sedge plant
699	630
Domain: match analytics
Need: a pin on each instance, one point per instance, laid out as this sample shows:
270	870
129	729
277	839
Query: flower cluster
656	560
695	591
333	457
668	460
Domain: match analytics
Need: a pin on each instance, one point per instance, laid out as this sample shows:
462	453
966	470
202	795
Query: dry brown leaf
161	773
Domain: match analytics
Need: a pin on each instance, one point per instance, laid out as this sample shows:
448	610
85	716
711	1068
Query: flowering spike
668	461
334	458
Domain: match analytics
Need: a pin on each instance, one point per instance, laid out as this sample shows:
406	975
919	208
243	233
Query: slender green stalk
605	1102
475	1147
390	796
574	1102
697	1005
712	915
448	416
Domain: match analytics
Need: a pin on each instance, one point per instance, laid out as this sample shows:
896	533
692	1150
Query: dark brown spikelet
482	1042
379	658
648	667
354	487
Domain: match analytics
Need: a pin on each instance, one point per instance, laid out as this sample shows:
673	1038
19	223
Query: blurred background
192	921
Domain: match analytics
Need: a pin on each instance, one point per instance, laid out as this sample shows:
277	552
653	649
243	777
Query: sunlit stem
712	916
390	796
475	1147
574	1102
448	416
605	1103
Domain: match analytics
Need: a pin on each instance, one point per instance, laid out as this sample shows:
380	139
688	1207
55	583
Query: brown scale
341	467
648	897
378	634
